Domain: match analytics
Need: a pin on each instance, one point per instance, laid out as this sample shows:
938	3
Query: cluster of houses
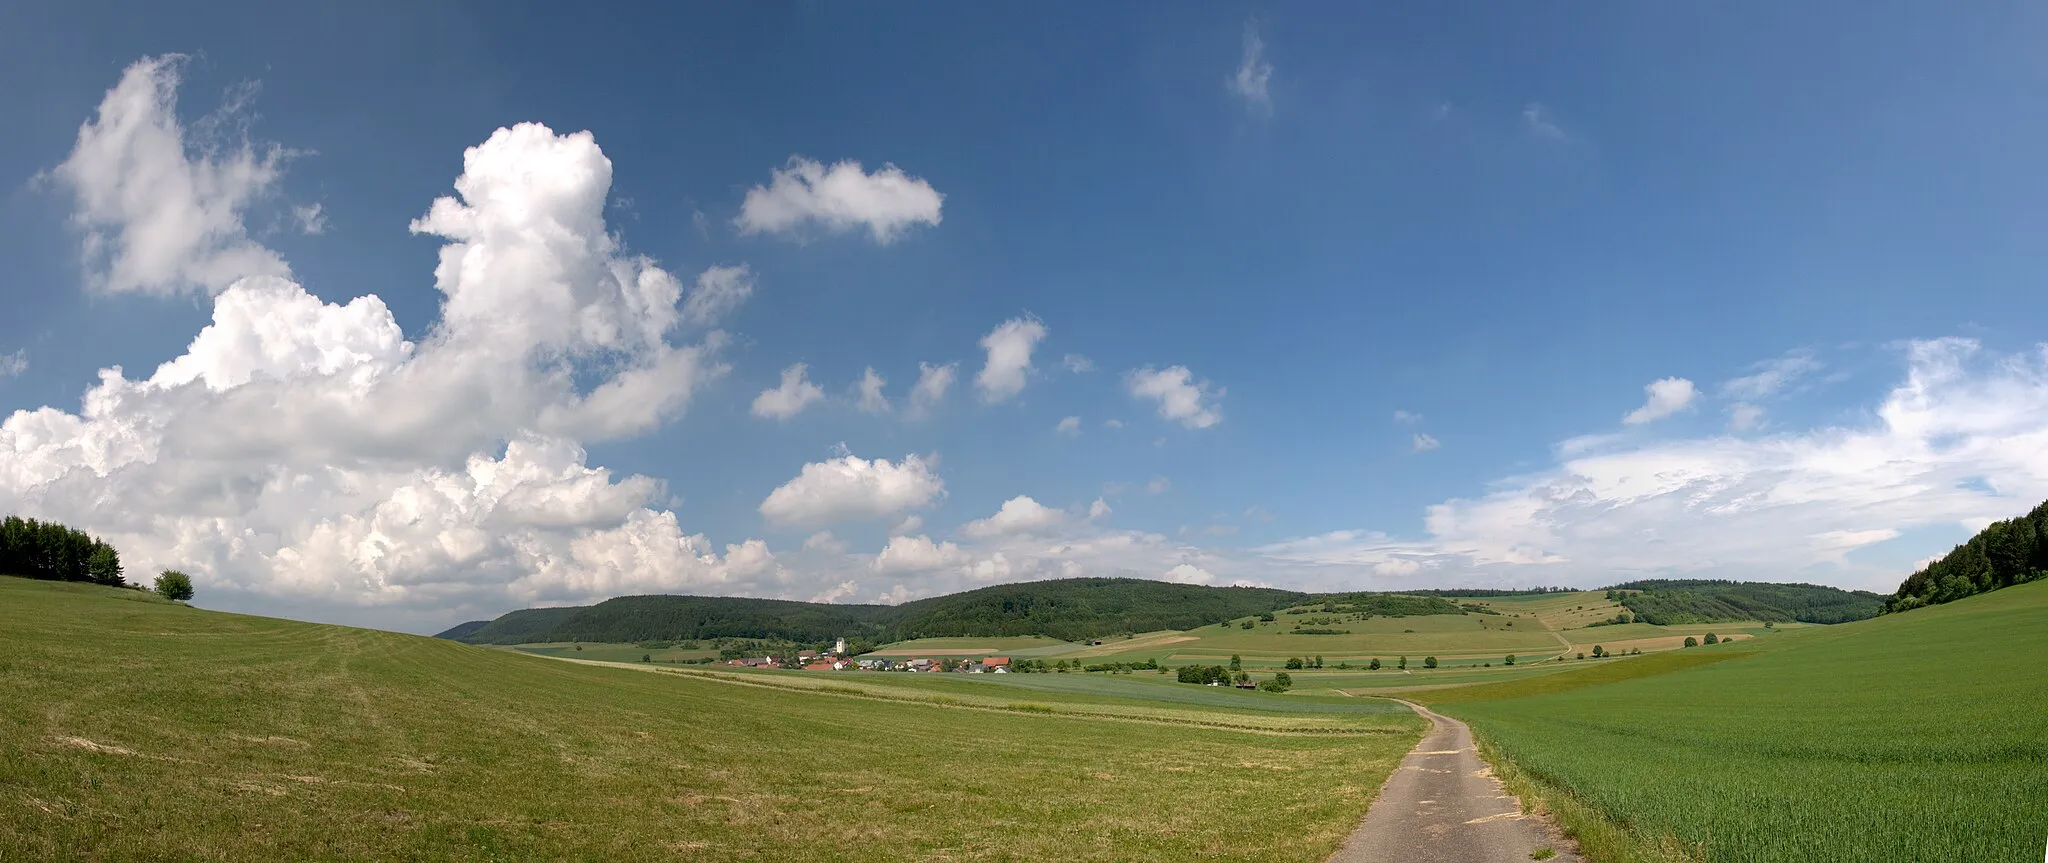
812	661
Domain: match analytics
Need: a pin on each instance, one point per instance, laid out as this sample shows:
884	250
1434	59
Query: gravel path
1444	806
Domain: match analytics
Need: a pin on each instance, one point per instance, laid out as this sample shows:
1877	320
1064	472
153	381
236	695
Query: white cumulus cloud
918	554
303	456
840	198
1018	515
789	398
850	488
1666	396
1009	348
1070	426
162	213
933	382
869	390
719	291
1252	82
1425	443
1181	398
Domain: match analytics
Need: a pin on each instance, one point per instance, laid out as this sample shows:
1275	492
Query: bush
1236	662
1691	641
1267	617
1374	664
173	584
1247	624
1711	639
1429	662
1294	663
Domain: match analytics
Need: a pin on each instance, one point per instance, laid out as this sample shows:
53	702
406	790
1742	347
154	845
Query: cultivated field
1022	645
617	652
1919	736
142	730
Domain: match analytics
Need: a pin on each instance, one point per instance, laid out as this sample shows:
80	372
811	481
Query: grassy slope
1921	736
140	730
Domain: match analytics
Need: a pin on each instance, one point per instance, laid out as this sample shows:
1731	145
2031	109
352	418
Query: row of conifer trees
54	552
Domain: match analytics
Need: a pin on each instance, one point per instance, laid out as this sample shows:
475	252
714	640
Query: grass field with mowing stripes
137	730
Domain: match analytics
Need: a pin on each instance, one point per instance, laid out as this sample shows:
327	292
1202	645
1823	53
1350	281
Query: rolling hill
1676	601
1071	609
2005	553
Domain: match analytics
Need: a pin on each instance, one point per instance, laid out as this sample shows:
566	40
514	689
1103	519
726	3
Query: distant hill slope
519	627
459	630
1075	609
1673	601
1072	609
638	618
2006	553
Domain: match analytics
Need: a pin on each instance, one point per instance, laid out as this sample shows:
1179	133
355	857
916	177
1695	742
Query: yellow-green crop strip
1919	736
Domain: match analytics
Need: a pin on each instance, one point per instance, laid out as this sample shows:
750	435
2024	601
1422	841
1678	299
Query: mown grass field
136	730
1022	645
1555	610
1920	736
616	652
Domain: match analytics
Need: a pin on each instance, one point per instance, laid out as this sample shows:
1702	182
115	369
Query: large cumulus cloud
306	451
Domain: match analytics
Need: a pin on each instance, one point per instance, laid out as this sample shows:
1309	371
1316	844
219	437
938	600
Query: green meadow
145	730
1915	736
619	652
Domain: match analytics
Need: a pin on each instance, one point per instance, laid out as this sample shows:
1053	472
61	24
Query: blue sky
1417	267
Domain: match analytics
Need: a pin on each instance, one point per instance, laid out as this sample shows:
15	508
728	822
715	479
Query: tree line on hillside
1071	609
50	551
1667	602
53	552
2006	553
1486	592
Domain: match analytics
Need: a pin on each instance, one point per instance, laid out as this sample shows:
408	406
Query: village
813	661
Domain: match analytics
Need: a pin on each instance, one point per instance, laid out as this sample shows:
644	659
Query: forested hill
1075	609
1070	608
1672	601
456	632
2004	554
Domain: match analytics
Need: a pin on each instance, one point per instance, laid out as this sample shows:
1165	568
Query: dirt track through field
1444	806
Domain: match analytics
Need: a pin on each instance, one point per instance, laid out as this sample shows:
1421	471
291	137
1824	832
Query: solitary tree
1319	660
1429	662
173	584
1294	663
104	565
1374	664
1691	641
1711	639
1598	651
646	657
1236	662
1511	659
1404	664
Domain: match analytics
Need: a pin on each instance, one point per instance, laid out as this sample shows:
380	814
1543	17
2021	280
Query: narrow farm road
1444	806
